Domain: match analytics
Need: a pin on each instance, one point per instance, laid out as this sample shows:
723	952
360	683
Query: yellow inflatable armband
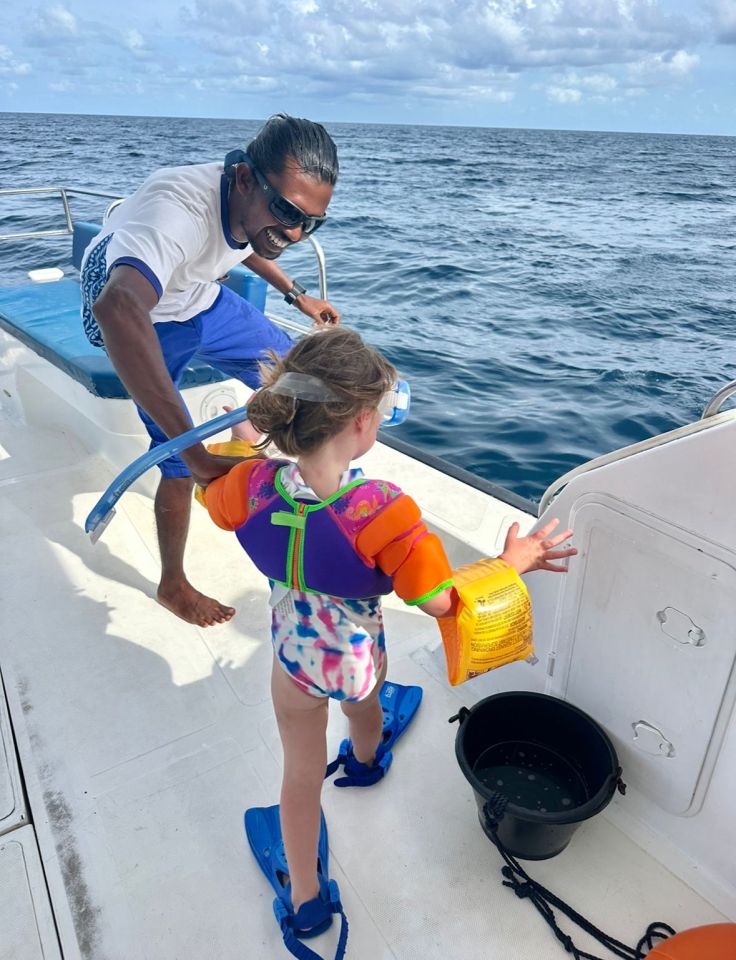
492	624
228	448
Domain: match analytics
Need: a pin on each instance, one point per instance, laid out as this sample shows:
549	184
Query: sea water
550	295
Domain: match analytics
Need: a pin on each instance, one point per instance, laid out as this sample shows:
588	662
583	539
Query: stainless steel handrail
715	404
110	208
64	193
320	254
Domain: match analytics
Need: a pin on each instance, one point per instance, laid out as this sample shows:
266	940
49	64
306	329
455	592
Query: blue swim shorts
232	336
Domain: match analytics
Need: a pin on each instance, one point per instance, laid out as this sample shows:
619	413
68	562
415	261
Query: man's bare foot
184	601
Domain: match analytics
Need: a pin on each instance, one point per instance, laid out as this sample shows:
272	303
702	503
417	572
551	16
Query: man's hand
536	551
320	312
206	467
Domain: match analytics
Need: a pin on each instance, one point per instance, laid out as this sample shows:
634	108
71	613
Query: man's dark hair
307	142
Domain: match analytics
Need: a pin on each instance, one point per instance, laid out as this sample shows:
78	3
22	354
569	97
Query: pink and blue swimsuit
328	562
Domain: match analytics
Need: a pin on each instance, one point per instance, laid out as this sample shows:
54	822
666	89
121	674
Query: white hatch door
646	643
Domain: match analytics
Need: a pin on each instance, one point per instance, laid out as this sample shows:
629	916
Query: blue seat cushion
45	317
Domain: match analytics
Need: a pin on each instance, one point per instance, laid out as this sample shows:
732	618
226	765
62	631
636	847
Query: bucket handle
544	900
616	780
462	715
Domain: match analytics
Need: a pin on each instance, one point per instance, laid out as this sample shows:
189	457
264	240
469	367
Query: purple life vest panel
310	546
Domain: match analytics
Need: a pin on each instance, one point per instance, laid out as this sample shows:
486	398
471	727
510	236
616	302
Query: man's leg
173	503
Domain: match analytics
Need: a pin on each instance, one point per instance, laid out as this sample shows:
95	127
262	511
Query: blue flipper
263	830
399	704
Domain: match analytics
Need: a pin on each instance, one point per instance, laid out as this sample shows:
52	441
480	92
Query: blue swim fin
263	830
399	704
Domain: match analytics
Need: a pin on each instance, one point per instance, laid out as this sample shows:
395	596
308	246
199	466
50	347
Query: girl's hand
536	551
244	430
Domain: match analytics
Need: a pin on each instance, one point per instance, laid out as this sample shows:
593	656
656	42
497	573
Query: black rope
544	901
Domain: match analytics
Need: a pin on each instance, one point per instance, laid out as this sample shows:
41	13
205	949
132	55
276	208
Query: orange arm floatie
399	542
226	498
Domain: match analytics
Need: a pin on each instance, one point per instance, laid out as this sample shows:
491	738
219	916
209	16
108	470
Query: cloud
336	44
133	41
595	83
724	19
9	65
564	95
53	25
662	67
486	52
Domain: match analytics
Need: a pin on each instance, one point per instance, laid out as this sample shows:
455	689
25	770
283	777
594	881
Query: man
149	297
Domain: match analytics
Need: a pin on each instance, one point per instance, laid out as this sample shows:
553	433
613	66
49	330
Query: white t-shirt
175	229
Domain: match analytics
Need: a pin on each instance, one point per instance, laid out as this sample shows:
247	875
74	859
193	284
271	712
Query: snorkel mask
393	407
395	404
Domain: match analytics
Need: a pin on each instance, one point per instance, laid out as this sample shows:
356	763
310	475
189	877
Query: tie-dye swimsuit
329	562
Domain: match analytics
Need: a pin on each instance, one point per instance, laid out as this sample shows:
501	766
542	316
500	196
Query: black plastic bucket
538	767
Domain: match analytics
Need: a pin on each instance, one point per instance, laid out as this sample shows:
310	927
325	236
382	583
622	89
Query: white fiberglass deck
143	739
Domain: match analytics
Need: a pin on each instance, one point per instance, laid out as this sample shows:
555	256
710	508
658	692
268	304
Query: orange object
399	542
716	941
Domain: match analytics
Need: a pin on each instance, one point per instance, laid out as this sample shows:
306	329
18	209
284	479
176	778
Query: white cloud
564	94
663	67
410	42
724	18
9	65
595	83
56	22
133	41
376	50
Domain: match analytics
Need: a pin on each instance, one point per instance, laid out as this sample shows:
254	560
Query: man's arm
318	311
123	312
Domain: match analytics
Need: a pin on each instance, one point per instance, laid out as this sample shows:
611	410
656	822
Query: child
331	543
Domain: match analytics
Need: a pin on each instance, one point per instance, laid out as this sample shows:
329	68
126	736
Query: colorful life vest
311	546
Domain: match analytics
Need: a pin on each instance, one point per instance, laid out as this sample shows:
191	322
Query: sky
641	65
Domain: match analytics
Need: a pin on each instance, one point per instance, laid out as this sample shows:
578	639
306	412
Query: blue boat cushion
46	318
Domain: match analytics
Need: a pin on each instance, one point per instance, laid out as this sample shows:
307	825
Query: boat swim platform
142	739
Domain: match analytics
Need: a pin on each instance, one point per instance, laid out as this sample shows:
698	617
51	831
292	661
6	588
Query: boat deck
143	739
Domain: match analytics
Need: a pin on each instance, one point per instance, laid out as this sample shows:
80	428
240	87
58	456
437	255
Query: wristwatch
296	290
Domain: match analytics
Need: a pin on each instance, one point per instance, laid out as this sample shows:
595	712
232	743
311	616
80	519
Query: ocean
550	295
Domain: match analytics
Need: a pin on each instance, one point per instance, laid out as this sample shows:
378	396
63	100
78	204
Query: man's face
251	218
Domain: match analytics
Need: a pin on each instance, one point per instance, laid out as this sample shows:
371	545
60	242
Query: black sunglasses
284	210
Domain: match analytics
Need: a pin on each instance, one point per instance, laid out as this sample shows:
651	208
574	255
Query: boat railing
715	404
64	194
712	416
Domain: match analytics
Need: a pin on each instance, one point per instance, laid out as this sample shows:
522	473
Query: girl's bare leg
365	719
302	722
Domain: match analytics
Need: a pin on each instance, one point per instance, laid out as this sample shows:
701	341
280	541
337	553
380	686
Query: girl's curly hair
356	373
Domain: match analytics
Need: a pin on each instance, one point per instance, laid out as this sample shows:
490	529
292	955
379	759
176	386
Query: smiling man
150	298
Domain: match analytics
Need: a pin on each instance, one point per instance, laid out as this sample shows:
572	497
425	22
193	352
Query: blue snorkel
104	510
394	409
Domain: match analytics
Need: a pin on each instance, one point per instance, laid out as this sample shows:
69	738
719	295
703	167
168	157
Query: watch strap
296	290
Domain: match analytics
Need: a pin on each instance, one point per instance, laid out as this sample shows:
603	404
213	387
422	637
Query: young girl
331	543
